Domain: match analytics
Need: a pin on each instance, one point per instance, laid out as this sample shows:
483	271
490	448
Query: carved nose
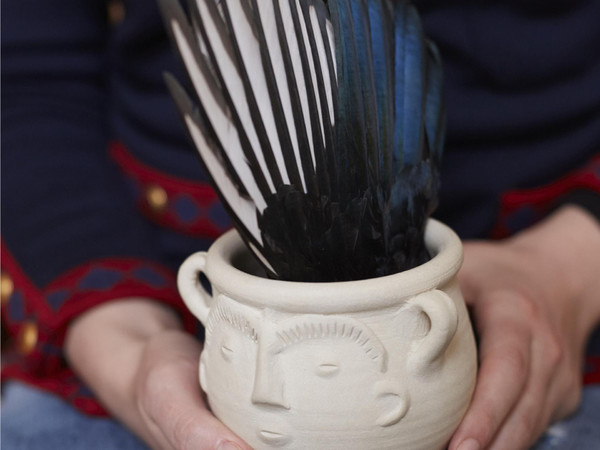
268	380
266	393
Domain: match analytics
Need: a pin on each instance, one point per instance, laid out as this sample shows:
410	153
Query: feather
413	83
350	142
248	52
366	63
306	158
434	110
325	43
217	163
292	58
232	74
321	124
314	58
382	42
211	99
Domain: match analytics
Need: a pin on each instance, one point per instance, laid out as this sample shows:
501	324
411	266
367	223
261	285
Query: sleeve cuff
36	319
521	208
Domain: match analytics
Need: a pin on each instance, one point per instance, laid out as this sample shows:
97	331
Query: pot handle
195	297
440	309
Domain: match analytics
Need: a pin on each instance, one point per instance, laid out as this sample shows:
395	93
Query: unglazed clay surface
387	363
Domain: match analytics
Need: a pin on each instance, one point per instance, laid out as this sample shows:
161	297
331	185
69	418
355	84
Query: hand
144	369
534	301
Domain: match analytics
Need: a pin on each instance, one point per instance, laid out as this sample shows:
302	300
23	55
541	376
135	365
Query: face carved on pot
298	373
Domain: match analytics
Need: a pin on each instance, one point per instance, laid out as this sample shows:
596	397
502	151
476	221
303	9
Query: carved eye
226	351
328	370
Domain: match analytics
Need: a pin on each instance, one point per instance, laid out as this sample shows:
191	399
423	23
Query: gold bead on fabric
7	287
157	198
28	337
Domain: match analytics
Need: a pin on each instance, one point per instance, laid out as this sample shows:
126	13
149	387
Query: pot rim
333	297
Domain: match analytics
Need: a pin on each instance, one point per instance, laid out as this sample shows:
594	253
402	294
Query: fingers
532	335
565	393
523	381
171	402
505	357
529	418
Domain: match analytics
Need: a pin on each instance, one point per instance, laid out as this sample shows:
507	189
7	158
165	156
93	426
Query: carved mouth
273	437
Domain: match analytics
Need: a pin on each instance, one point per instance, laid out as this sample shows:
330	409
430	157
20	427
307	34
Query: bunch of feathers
321	125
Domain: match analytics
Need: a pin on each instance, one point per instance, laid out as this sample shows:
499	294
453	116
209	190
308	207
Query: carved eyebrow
307	327
223	313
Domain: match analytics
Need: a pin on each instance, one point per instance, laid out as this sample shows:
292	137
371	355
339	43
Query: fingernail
469	444
228	445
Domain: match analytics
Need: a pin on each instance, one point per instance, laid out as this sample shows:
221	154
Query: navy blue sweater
523	97
522	85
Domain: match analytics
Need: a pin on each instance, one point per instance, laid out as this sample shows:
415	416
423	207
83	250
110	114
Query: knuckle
487	425
518	362
183	429
152	395
152	382
525	428
187	434
528	307
554	349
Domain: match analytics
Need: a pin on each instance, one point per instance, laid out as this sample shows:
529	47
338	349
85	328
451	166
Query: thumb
171	401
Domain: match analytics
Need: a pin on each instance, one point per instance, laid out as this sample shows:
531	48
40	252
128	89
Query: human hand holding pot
534	300
143	367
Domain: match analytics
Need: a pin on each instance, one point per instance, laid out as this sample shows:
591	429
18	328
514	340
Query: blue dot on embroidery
56	299
150	276
51	350
186	209
218	216
100	279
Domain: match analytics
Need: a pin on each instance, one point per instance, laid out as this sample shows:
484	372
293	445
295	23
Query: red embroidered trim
129	285
35	304
130	279
536	202
52	308
200	196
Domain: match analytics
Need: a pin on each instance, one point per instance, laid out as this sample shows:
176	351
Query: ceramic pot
385	363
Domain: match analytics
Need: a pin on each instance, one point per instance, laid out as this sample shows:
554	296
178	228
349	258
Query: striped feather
220	118
321	123
218	165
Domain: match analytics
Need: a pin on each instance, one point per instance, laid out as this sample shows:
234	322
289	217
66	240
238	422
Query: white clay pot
385	363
